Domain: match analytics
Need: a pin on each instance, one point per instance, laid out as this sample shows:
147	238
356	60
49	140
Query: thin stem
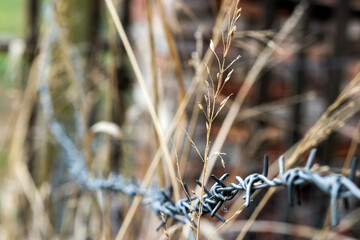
211	112
146	94
203	178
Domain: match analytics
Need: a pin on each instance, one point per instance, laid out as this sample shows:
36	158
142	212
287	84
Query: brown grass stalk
17	159
154	78
172	49
179	133
146	94
210	108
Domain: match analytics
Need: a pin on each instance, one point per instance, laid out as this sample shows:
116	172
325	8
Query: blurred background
313	57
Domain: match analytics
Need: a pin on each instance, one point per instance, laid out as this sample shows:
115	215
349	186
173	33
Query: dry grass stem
179	135
172	49
167	236
146	95
154	79
210	107
17	159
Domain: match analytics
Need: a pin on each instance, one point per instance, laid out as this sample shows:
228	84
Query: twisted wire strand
334	185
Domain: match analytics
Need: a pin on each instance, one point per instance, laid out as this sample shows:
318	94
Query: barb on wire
334	185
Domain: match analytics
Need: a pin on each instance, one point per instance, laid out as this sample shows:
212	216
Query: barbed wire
334	185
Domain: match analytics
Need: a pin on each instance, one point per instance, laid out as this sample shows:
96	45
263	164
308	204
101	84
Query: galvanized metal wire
334	185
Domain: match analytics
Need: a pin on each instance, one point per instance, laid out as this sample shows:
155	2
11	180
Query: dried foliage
81	135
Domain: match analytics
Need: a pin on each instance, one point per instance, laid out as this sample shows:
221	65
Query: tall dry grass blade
146	94
179	134
16	157
154	78
172	49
